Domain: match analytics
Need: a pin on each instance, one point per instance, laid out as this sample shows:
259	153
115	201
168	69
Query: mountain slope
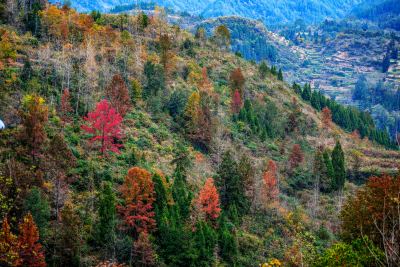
385	12
191	6
281	11
131	189
270	12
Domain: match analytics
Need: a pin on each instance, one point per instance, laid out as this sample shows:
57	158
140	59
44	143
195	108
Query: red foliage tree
66	108
143	251
30	250
118	94
8	246
237	102
270	187
296	157
208	200
104	126
326	117
139	196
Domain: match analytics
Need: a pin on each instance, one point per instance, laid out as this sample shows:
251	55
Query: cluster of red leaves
237	102
24	250
270	189
326	117
208	200
139	196
104	126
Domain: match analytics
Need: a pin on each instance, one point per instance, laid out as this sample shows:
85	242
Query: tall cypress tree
107	217
230	184
306	94
280	75
205	239
339	171
228	244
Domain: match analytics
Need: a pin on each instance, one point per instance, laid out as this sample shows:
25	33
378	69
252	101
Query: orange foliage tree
198	120
270	190
34	114
374	211
208	200
8	246
326	117
205	84
296	157
237	80
139	195
104	126
30	250
118	94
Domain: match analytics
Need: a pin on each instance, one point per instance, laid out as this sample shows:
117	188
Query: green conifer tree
339	171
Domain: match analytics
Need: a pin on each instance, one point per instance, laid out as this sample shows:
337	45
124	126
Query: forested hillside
132	142
384	12
269	12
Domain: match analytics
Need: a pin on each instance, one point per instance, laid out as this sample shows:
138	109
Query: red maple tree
296	157
118	95
237	102
30	250
270	187
66	108
104	126
139	195
208	200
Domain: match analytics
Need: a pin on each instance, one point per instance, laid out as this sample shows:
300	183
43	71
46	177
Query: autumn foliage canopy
208	200
270	187
138	193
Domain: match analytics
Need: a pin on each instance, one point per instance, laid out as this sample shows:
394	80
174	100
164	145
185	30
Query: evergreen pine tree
339	171
280	75
228	245
205	239
230	184
37	205
306	94
107	217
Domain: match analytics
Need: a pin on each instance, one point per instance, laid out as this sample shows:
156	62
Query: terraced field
335	66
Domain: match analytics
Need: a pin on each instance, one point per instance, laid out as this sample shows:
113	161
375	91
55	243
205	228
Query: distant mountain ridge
270	12
385	12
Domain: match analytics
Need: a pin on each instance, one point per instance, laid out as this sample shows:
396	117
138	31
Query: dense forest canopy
132	142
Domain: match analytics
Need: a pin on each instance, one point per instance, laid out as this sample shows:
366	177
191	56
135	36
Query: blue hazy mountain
281	11
268	11
385	12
